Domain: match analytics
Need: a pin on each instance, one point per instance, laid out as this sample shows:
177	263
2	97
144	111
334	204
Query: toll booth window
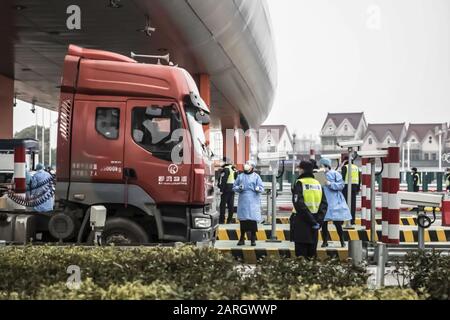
152	128
107	122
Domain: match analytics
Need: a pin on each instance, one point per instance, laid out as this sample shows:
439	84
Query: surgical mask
247	167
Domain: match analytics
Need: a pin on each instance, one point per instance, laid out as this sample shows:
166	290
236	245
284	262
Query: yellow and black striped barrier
406	221
434	235
252	255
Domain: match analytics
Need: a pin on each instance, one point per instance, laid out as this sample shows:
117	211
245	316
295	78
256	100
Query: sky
388	58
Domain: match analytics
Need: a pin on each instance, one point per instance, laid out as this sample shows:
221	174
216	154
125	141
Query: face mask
247	167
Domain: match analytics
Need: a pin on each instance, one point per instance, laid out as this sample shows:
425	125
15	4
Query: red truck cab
130	137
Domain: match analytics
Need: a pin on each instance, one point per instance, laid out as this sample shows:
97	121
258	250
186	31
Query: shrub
426	272
284	275
39	272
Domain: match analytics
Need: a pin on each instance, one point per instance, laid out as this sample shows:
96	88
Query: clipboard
321	177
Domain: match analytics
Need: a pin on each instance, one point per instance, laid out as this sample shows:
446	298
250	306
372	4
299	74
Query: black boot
241	241
253	239
324	244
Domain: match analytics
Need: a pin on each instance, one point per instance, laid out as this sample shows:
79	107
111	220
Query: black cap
307	166
414	169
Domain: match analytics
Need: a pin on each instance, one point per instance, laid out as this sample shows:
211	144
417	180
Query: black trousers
352	206
226	200
338	225
307	250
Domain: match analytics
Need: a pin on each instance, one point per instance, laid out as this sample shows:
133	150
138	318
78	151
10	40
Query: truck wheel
122	231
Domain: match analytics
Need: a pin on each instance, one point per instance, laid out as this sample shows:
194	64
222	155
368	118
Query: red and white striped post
368	195
363	191
19	170
394	203
385	200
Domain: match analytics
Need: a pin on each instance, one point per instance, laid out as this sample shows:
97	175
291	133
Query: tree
29	132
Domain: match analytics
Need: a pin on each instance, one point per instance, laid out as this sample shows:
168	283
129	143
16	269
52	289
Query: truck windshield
198	135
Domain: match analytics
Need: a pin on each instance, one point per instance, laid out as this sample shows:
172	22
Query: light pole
408	144
293	158
440	132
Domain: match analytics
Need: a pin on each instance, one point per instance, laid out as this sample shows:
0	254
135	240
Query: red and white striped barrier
19	170
364	192
368	195
385	200
394	203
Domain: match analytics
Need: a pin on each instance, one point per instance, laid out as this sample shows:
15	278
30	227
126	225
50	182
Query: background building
419	142
379	135
341	127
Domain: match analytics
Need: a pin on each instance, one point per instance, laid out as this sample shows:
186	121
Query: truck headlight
202	222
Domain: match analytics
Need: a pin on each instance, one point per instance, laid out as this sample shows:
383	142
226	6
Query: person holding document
338	210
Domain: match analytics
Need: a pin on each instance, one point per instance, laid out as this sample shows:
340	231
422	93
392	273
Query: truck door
149	142
97	141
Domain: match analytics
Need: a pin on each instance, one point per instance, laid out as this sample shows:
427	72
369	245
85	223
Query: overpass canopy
230	40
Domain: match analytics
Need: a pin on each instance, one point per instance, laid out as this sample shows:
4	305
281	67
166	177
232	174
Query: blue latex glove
316	226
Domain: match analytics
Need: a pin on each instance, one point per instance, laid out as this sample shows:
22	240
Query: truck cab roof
98	72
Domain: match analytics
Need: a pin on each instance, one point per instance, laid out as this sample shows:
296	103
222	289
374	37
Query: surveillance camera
420	199
350	144
334	156
272	156
373	154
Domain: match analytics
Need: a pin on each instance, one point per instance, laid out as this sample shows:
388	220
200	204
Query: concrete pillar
6	107
204	84
228	143
247	148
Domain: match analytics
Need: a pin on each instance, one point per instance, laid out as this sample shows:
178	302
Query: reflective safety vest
419	181
230	179
447	180
312	194
355	174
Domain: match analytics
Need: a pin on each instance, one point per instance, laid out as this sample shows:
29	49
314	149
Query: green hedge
425	272
187	272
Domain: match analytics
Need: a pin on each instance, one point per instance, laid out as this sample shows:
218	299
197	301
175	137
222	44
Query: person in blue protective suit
39	190
338	210
249	187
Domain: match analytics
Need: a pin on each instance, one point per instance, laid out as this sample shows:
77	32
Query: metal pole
408	144
273	236
349	183
43	137
403	163
420	236
440	151
373	208
274	206
381	261
293	159
50	140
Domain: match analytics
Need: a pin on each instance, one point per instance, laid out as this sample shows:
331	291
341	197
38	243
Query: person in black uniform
447	180
356	186
416	180
227	177
310	207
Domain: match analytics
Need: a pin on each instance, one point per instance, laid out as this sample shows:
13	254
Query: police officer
416	180
310	206
447	180
226	180
355	177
